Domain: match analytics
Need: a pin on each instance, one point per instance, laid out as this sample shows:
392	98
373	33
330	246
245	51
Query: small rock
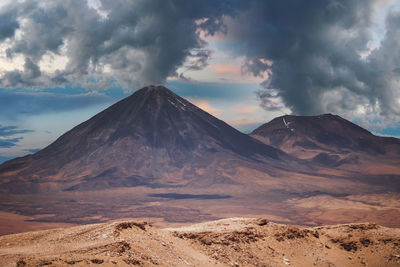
97	261
286	261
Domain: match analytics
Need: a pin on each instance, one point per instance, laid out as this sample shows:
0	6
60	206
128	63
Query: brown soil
227	242
14	223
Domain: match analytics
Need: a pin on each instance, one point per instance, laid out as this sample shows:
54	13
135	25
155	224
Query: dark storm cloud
321	58
8	23
138	42
22	78
269	100
199	59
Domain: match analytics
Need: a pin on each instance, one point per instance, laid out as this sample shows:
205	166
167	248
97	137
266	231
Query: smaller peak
155	88
286	116
330	116
326	115
154	92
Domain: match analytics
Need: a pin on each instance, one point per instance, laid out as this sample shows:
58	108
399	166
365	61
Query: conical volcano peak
152	91
160	96
155	89
152	134
325	116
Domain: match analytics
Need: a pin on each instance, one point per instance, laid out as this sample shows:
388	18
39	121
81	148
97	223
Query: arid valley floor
55	210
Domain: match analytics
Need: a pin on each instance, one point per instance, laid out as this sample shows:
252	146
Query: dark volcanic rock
152	138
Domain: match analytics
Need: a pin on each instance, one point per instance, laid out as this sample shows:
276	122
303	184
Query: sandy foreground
227	242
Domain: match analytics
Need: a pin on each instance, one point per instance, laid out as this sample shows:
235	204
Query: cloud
10	142
7	136
15	103
223	69
134	42
11	130
32	150
8	23
319	58
199	59
182	77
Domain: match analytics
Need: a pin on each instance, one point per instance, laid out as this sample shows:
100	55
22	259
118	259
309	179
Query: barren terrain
227	242
308	203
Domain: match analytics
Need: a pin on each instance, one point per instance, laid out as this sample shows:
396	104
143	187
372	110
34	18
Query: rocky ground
227	242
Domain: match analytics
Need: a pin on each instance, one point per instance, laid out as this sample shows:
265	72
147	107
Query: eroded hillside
227	242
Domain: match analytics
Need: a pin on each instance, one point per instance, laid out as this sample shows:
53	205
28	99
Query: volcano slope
227	242
332	141
152	138
156	155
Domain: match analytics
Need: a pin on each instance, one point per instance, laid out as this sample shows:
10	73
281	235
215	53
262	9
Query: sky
245	62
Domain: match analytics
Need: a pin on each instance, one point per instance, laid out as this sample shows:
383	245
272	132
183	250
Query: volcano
152	138
329	140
